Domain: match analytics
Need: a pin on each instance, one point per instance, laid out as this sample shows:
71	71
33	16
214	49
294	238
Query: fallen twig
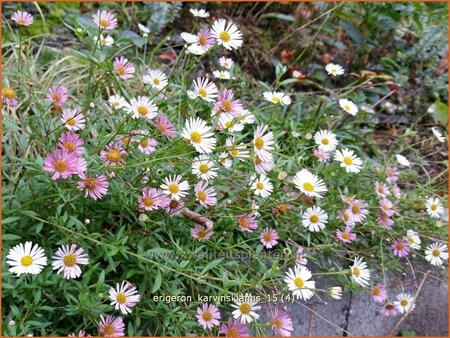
197	218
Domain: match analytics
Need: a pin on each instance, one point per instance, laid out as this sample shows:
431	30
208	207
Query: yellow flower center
227	106
229	124
356	272
61	166
201	234
275	99
259	143
121	298
245	308
314	219
120	70
196	137
347	107
348	160
308	187
202	92
162	128
70	260
234	152
278	323
202	40
104	23
202	196
376	291
117	103
90	183
433	207
109	329
410	239
355	209
325	141
225	37
244	222
267	236
232	332
9	93
148	202
69	146
142	110
173	204
345	235
26	260
156	82
404	302
259	186
144	143
71	122
282	208
436	252
203	168
207	316
299	282
21	21
400	246
258	161
173	188
56	97
102	41
113	155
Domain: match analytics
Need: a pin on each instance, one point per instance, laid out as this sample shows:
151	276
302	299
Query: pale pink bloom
205	195
234	328
322	156
345	215
386	207
94	187
269	238
9	96
124	297
384	220
174	206
82	166
226	104
392	174
382	190
401	247
282	323
358	210
345	236
247	222
22	18
71	142
389	309
152	199
395	190
379	293
58	95
67	260
123	68
300	257
73	119
111	326
205	40
164	126
201	233
263	166
113	155
61	163
147	145
208	315
105	20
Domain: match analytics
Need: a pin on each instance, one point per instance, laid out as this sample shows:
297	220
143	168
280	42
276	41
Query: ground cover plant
167	173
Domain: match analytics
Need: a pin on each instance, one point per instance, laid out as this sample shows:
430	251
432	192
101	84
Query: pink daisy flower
9	97
208	315
247	222
382	190
95	187
386	207
345	236
395	190
22	18
124	297
392	174
200	233
234	328
71	142
111	326
225	103
58	95
67	259
123	68
379	293
389	309
164	126
346	217
174	206
401	247
205	39
113	155
82	166
152	199
358	210
282	323
322	156
147	145
263	166
205	195
269	238
384	220
73	119
105	20
61	163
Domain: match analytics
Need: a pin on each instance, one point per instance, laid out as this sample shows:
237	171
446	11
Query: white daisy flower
117	101
335	292
348	160
199	134
298	282
124	297
156	78
309	184
222	74
226	34
277	98
434	207
333	69
204	168
238	151
68	259
402	160
436	253
404	303
231	123
174	187
261	186
142	107
24	259
105	40
360	272
413	239
245	310
263	144
203	89
224	160
200	13
226	62
438	135
326	140
314	219
247	117
348	106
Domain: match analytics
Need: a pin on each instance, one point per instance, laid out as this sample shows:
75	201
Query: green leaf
279	16
10	220
158	281
352	31
211	265
10	237
440	112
